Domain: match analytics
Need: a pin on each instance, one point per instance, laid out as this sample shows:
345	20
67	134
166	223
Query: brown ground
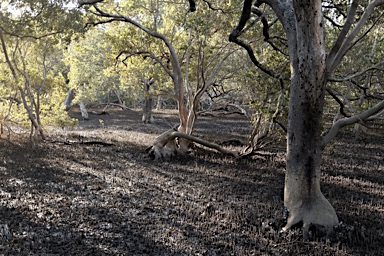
94	191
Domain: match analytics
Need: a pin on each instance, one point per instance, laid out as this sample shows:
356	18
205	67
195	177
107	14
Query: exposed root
317	216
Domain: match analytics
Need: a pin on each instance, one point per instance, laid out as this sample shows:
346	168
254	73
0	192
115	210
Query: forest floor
92	190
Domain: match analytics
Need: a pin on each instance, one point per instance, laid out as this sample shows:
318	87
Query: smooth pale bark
165	147
68	100
83	109
352	120
35	126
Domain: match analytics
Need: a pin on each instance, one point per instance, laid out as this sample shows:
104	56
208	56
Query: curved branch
213	8
332	79
260	14
342	46
245	15
343	33
351	120
237	31
159	151
334	96
88	2
150	54
118	17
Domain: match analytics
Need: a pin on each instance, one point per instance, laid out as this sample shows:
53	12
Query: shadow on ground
72	195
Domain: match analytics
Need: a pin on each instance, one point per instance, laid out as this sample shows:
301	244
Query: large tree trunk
302	195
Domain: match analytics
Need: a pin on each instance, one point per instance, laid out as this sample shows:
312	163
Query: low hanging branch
351	120
161	147
239	30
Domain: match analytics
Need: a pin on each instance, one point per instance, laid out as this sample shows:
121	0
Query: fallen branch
122	106
99	113
164	145
93	142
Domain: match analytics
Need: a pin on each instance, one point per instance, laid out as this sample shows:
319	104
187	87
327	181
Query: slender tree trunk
302	195
118	97
68	100
83	110
147	110
32	117
148	104
159	105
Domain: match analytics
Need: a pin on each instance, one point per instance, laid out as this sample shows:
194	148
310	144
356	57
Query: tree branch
343	33
150	54
333	22
29	36
334	96
88	2
342	46
4	47
170	135
119	17
332	79
237	31
192	5
213	8
351	120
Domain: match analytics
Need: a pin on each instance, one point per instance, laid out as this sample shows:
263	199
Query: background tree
150	21
92	68
33	34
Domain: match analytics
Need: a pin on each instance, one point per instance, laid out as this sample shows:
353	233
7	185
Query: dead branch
93	142
122	106
100	113
192	5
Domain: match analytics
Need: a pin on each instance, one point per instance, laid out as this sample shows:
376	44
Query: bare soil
92	190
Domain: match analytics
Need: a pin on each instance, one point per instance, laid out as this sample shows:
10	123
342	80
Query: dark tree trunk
148	104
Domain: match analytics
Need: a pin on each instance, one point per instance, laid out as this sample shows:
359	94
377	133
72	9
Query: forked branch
342	45
238	30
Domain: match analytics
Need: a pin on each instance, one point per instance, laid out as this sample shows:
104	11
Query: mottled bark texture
302	195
